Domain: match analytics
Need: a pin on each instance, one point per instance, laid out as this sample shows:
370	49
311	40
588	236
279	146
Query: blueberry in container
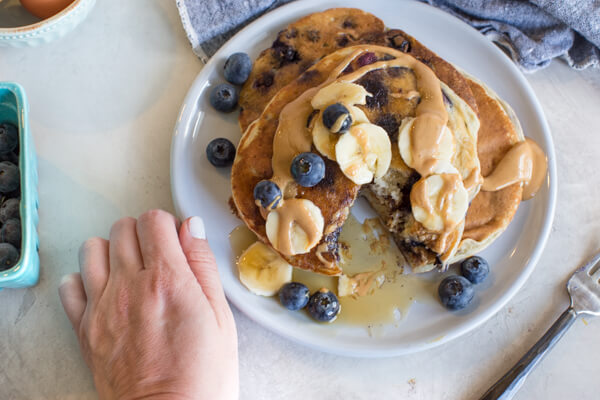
14	110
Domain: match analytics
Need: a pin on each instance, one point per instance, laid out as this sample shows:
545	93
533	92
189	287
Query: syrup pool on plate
382	293
240	239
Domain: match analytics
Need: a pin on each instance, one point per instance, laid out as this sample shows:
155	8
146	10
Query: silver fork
584	289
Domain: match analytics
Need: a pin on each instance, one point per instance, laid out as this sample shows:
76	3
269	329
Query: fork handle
510	383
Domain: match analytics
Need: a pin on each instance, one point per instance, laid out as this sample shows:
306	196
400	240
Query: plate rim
475	322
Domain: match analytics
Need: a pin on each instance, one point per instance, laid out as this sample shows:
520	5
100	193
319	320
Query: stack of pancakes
302	57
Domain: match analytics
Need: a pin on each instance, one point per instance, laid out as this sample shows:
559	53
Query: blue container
14	109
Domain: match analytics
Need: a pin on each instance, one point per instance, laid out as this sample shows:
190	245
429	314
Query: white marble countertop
104	100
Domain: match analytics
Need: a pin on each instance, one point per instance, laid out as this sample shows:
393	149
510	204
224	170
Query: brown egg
45	8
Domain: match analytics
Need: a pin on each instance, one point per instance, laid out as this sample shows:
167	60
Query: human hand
150	314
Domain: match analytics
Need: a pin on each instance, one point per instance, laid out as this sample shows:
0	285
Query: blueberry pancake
382	88
298	47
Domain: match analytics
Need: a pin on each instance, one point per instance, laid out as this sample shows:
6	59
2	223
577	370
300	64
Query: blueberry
237	68
337	118
9	137
12	157
456	292
9	256
224	97
475	269
308	169
15	194
11	232
366	59
9	177
267	194
9	209
323	306
220	152
294	296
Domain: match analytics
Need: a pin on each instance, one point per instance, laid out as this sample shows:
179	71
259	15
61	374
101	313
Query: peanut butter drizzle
293	137
321	249
338	123
290	213
364	282
362	137
474	179
425	140
418	196
524	162
452	183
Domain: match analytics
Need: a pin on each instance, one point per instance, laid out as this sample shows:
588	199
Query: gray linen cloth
534	32
531	32
209	23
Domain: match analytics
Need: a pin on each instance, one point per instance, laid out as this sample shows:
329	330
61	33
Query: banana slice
303	223
364	152
358	115
262	270
346	286
440	201
325	141
447	146
339	92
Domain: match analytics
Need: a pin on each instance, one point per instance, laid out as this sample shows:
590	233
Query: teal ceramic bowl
14	109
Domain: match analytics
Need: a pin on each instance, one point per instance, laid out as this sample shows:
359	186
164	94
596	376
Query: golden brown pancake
333	195
298	47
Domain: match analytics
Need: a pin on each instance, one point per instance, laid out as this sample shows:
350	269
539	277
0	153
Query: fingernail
65	279
196	226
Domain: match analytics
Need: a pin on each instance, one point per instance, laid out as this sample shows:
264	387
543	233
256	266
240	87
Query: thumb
73	298
202	262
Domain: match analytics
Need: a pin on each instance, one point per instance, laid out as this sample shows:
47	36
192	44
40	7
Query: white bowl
48	29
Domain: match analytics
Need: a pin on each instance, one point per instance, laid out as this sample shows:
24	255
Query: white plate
200	189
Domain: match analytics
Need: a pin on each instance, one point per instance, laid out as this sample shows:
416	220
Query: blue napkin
531	32
536	31
210	23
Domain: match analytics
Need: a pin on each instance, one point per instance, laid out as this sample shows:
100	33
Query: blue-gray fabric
536	31
210	23
531	32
